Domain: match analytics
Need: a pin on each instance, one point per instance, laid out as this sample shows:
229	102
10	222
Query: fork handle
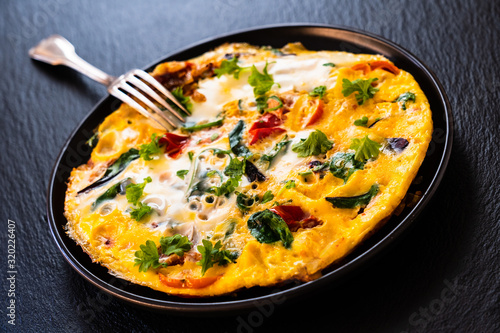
56	50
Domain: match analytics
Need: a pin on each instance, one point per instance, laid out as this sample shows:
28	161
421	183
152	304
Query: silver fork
56	50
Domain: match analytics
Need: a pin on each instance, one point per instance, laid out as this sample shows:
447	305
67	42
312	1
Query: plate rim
231	306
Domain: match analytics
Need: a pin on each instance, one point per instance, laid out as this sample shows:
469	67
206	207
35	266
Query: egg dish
289	160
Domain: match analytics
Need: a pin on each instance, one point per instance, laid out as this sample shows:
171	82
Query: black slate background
443	276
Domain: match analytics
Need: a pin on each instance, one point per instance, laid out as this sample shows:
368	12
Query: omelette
289	159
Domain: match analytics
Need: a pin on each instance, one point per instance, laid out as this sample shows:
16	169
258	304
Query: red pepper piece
173	143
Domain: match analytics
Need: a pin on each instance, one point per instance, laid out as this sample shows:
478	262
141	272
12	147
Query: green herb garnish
331	64
114	169
134	191
203	126
269	157
268	227
343	165
317	143
404	98
184	100
261	82
152	148
363	88
235	137
365	148
182	173
268	196
212	254
111	193
149	255
363	121
229	67
137	213
357	201
319	91
176	244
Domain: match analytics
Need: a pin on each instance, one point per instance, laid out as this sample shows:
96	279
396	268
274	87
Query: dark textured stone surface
443	276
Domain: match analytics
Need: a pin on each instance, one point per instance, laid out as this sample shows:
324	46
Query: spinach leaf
343	165
352	202
203	126
235	137
111	193
275	151
114	169
268	227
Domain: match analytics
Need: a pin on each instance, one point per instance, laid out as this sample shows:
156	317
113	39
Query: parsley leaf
319	91
405	97
363	121
343	165
229	67
134	191
225	188
184	100
357	201
147	257
176	244
261	82
182	173
212	254
139	212
148	149
331	64
365	148
363	88
317	143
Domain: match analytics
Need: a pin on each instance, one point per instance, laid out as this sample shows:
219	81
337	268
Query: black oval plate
314	37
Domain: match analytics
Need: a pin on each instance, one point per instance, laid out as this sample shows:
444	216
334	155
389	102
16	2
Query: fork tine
145	88
152	81
125	98
152	106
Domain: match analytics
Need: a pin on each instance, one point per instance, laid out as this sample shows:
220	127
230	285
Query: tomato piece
362	67
188	282
266	121
385	65
264	127
316	112
289	213
173	143
262	133
295	217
